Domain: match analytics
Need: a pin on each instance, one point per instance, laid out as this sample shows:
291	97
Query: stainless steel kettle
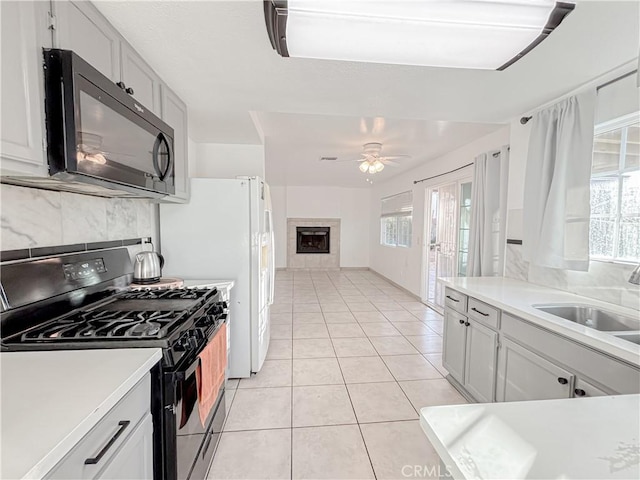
148	268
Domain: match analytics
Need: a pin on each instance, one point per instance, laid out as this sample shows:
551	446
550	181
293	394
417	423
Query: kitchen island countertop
595	437
52	399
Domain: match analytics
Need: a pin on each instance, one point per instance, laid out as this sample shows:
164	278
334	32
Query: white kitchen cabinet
480	361
80	27
174	112
23	34
140	77
120	446
582	388
134	459
524	375
454	344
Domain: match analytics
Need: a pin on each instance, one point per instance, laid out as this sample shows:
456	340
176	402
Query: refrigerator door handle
272	266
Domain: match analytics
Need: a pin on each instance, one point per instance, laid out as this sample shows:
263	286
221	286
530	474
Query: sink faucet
635	276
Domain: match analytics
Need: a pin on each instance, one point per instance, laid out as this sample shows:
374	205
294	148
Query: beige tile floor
352	359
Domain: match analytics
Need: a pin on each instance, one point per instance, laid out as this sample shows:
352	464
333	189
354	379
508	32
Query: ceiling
295	142
216	55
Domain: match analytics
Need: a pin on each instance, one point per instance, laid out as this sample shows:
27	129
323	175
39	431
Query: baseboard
411	294
329	269
461	390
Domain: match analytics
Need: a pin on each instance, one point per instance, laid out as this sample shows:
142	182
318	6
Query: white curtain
487	234
556	191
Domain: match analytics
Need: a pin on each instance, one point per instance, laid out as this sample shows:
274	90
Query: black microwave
99	134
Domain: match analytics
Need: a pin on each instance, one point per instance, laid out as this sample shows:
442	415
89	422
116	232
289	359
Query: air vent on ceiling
328	159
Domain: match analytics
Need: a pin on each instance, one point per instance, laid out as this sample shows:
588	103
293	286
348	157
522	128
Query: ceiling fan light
379	166
364	167
372	169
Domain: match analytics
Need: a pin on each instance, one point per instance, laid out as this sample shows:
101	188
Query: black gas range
80	301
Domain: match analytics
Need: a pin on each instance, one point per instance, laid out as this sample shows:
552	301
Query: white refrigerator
226	232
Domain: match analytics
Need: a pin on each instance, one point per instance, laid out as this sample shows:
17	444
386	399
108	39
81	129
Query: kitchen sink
593	317
633	337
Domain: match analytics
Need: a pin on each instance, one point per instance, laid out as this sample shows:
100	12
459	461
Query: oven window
105	137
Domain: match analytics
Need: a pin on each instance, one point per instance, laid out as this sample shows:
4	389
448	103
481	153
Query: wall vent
328	159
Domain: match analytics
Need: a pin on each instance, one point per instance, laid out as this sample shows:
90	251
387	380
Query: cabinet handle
123	426
453	299
129	90
562	381
461	322
579	392
466	324
121	85
478	311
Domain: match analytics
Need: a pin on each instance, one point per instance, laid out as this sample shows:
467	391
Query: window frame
611	125
396	215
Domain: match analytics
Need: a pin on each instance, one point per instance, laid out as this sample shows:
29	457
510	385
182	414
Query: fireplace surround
313	260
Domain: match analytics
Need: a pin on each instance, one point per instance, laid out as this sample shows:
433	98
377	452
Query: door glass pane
465	222
629	241
604	195
606	152
601	237
630	193
106	137
632	159
432	249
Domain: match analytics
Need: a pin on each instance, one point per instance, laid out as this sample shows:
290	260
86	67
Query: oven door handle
182	375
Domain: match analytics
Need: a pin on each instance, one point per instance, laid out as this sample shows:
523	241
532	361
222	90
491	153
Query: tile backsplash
37	218
604	281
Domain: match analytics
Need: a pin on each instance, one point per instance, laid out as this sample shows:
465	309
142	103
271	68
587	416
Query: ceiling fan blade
350	160
395	157
390	163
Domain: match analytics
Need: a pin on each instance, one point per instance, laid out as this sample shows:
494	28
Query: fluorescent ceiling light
484	34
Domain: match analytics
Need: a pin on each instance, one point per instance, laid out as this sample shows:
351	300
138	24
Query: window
465	226
615	191
395	221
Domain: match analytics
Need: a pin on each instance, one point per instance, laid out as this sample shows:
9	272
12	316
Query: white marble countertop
595	437
209	283
51	399
517	297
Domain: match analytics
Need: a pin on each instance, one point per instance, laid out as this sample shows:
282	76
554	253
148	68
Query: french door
447	237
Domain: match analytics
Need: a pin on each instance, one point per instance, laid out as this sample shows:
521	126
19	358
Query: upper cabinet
174	112
27	28
140	78
23	34
78	26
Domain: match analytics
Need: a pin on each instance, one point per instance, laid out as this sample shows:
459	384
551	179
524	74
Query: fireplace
312	239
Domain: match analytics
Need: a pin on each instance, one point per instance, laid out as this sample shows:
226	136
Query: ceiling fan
372	162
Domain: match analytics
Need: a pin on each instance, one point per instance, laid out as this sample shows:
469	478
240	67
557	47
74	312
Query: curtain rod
494	155
524	120
445	173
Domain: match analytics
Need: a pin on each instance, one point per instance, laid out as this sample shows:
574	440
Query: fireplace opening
312	239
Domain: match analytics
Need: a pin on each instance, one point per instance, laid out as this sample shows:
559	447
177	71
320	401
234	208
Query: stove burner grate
168	294
108	324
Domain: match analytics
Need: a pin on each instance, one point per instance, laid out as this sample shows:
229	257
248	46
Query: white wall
605	280
350	205
404	265
222	160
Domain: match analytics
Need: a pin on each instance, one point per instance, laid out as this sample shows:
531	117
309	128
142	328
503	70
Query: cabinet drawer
599	367
455	300
483	313
132	408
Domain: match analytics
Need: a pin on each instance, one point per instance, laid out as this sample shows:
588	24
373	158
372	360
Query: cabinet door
82	28
134	459
454	344
480	361
22	114
174	112
583	388
523	375
139	76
